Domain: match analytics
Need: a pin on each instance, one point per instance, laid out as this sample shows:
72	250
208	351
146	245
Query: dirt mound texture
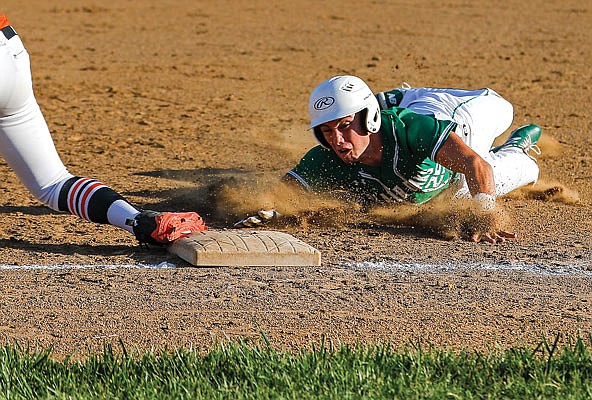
165	100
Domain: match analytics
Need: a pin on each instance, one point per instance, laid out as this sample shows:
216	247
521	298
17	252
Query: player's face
347	137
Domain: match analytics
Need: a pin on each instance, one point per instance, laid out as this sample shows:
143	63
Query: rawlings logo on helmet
323	103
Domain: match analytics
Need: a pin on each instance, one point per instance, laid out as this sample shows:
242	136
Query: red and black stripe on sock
87	198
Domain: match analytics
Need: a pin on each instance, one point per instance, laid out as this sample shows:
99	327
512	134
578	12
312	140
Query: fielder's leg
27	146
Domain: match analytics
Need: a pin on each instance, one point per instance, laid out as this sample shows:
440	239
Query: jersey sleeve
321	170
423	135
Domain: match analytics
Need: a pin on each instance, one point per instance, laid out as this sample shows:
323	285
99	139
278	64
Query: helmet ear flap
371	116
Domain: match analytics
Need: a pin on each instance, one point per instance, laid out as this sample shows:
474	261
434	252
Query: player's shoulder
318	155
318	151
321	169
408	126
405	115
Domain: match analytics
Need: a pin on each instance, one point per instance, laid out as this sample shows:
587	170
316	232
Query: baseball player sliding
27	147
413	144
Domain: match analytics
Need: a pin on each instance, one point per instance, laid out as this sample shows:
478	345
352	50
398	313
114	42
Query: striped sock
88	199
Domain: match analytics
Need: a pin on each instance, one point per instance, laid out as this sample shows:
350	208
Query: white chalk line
88	266
542	269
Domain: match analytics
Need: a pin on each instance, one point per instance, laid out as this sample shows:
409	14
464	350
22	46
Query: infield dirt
163	100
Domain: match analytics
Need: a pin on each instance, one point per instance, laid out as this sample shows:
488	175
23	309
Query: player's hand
492	237
486	221
263	217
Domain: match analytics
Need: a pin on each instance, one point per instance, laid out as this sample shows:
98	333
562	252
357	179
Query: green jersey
407	172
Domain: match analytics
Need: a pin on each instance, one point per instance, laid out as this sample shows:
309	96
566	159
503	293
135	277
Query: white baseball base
244	248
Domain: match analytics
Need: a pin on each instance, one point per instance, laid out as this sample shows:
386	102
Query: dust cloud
234	201
546	191
439	217
550	147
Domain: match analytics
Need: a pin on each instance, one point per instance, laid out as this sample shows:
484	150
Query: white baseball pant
25	141
482	115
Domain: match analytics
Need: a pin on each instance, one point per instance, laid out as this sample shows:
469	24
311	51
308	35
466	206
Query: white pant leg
25	140
512	169
482	115
483	118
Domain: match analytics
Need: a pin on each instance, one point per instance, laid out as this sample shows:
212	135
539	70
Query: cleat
524	138
161	228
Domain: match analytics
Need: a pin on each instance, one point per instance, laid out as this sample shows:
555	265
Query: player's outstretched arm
455	155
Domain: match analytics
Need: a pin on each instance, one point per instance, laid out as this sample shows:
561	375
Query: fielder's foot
524	138
164	227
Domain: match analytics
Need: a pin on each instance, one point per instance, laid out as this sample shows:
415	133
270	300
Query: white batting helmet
339	97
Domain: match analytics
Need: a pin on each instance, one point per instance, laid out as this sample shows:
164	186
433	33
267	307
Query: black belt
9	32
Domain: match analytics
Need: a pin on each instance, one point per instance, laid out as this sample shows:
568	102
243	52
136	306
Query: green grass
243	371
